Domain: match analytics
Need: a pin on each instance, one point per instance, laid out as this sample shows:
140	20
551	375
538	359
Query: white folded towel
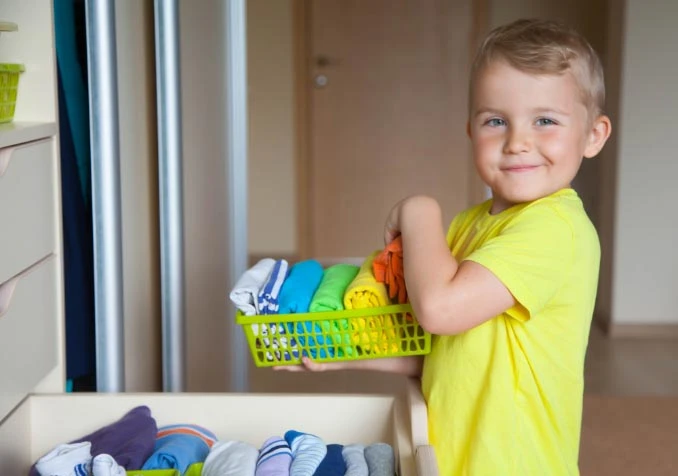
246	291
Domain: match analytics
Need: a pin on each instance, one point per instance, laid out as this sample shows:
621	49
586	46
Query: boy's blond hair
546	47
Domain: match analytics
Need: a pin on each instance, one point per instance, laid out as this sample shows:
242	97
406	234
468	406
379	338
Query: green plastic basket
193	470
9	86
334	336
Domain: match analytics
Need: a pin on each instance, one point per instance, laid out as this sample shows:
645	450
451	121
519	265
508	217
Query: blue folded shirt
299	287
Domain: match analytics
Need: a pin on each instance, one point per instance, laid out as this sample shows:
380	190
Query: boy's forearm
429	265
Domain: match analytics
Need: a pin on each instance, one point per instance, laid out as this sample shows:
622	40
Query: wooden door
387	92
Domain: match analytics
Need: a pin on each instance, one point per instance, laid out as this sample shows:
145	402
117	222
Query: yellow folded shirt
365	292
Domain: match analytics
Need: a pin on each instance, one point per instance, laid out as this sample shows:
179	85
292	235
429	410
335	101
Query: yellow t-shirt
505	398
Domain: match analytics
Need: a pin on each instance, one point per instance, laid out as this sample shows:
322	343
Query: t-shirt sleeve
531	256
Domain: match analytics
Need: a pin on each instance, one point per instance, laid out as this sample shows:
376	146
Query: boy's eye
545	121
495	122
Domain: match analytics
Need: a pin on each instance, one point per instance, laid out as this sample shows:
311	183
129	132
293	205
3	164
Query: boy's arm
410	366
446	297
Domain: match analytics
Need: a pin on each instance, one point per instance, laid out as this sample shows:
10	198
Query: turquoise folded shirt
299	287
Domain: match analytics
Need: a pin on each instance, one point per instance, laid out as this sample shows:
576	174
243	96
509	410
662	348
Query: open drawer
43	421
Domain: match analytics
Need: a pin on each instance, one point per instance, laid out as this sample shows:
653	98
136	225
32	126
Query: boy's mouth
520	168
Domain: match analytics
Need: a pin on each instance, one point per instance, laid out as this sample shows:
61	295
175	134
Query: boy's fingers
290	368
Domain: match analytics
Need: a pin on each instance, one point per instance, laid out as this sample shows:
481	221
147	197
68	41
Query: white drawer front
27	208
28	347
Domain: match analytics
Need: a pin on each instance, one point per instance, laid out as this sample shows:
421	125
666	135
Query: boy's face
529	133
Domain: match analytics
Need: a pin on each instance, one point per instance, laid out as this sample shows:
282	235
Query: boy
509	295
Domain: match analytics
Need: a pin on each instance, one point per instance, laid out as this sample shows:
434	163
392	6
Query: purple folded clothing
130	440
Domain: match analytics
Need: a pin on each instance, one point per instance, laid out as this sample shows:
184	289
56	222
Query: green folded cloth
330	297
330	293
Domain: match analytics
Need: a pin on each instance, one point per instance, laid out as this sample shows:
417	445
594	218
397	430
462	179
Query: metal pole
103	99
168	80
236	127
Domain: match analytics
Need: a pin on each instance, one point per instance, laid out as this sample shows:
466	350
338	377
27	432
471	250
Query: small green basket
334	336
9	86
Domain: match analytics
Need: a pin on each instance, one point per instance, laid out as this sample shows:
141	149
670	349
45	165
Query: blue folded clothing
179	446
299	287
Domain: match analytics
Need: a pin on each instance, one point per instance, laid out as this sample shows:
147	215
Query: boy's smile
530	132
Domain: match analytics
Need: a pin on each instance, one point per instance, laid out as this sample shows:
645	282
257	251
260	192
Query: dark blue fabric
67	25
333	464
78	257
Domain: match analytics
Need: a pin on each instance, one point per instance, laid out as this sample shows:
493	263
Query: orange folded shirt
388	269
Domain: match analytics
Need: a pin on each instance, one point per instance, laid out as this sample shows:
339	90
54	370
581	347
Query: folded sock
307	452
275	458
245	293
300	286
267	300
71	459
130	440
354	457
330	293
230	458
105	465
380	459
333	462
179	446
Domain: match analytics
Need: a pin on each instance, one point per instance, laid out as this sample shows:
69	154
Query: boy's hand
393	223
410	366
308	365
392	227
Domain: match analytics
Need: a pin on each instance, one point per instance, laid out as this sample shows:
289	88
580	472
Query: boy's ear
598	135
468	129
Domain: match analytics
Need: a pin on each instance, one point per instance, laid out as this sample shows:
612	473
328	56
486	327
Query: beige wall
139	191
645	283
205	194
272	175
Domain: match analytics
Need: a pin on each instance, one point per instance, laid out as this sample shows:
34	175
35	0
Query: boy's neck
498	204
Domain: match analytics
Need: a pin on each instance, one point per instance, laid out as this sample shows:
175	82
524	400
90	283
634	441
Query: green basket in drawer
9	86
334	336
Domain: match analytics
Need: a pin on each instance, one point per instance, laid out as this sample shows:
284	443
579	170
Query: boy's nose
518	141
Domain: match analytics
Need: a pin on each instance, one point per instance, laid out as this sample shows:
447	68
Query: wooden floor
631	366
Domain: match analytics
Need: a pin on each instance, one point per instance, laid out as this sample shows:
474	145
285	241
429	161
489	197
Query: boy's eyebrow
538	110
542	110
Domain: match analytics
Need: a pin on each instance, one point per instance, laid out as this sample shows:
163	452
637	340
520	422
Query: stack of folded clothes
273	287
135	445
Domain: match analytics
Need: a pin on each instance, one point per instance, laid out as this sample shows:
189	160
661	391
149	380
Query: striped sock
307	452
333	464
275	458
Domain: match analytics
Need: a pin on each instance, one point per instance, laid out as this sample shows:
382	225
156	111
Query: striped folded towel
270	291
244	293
